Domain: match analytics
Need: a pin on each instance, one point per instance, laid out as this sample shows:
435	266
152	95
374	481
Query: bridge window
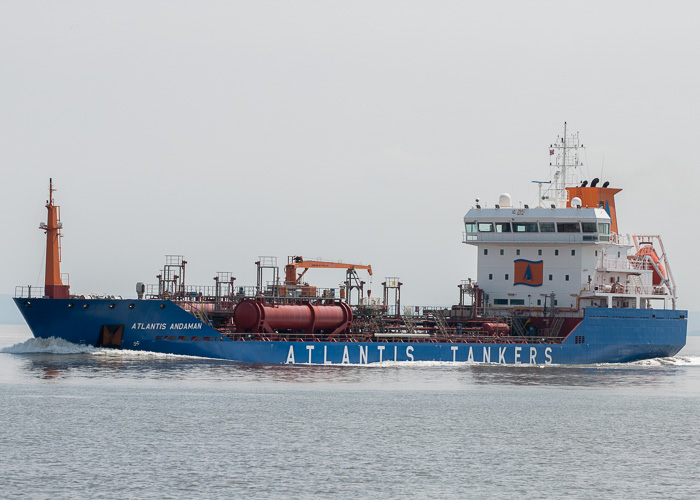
485	227
524	227
503	227
470	227
546	227
568	227
603	228
588	227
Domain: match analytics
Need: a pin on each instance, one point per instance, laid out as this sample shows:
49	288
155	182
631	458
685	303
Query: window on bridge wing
603	228
503	227
525	227
589	227
470	227
486	227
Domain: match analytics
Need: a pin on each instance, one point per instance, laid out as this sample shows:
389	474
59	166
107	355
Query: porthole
86	305
162	306
111	306
27	304
70	305
131	306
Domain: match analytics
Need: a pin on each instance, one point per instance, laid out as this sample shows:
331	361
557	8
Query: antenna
563	166
566	162
51	190
539	191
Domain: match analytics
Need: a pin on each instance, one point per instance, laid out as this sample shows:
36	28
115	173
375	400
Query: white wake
54	345
674	361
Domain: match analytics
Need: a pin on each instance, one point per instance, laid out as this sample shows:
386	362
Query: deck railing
29	292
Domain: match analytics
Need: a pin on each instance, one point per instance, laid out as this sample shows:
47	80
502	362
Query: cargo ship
557	283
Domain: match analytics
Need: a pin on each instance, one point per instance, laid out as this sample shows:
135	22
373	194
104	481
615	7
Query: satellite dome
504	201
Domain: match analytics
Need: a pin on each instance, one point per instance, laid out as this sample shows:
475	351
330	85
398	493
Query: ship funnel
606	184
595	182
584	184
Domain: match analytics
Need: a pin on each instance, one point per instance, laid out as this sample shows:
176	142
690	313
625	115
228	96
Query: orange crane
298	262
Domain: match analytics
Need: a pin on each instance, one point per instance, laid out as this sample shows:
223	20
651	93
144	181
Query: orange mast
54	287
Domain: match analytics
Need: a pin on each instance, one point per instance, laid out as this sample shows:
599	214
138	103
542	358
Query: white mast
565	164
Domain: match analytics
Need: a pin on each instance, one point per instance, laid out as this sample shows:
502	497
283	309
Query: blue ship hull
603	336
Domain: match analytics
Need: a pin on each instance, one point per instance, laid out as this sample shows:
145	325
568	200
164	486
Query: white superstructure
567	254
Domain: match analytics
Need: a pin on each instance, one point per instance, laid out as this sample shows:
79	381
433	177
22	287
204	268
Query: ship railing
246	291
527	312
632	289
636	263
614	264
641	262
475	337
195	292
621	239
29	292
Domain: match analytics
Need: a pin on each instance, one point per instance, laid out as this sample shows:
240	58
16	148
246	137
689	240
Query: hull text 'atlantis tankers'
556	283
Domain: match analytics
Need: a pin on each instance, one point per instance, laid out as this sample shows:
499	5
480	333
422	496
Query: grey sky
354	131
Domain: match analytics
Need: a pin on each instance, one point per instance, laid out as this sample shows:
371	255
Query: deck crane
352	280
298	262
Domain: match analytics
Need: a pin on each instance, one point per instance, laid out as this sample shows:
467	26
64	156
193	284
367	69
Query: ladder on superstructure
409	324
636	282
514	323
440	322
556	326
200	315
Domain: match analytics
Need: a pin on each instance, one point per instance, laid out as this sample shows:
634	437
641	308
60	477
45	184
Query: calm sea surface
92	423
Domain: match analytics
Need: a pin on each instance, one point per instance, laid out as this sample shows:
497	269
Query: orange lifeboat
649	252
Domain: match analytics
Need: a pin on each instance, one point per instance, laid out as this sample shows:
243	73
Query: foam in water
674	361
52	345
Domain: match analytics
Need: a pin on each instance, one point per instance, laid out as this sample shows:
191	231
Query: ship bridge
536	225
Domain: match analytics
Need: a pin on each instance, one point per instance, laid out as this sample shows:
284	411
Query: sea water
80	422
